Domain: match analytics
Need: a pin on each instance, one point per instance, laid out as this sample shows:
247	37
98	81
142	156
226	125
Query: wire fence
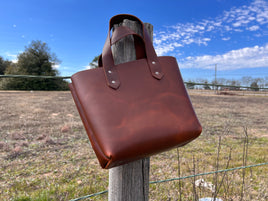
35	76
179	178
236	87
188	84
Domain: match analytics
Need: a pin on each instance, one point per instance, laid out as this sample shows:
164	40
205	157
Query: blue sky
200	34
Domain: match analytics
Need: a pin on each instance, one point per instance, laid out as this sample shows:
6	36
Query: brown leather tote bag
135	109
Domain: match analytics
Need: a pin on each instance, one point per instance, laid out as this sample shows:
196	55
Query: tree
35	60
190	85
234	84
255	86
246	80
261	82
206	86
222	81
214	82
3	65
94	62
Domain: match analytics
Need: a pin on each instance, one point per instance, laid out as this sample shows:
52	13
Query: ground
45	153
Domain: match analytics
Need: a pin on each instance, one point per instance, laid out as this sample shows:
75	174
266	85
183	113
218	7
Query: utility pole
215	81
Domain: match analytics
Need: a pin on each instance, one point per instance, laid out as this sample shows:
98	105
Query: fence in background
189	85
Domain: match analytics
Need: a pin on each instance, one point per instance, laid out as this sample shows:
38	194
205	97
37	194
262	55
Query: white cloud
227	28
210	28
163	49
237	24
238	30
245	18
11	57
248	57
254	28
261	9
227	38
56	66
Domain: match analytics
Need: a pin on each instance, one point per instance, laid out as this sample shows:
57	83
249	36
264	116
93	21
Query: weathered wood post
129	182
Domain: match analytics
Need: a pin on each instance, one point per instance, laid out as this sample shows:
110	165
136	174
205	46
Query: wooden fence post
129	182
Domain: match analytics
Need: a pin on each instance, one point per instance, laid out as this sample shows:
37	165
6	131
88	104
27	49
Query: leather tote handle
123	31
107	58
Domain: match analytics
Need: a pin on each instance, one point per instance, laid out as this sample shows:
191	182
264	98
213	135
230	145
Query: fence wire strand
180	178
35	76
189	83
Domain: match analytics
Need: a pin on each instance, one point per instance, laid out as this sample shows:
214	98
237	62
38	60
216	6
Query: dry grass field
45	153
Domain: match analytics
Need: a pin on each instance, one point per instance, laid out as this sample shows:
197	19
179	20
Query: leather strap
120	32
123	31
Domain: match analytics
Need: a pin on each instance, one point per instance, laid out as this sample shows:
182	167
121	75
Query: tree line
36	59
233	84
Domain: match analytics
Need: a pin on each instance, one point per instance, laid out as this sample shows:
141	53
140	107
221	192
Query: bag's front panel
143	116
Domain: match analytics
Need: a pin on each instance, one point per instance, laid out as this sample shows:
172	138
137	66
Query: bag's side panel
186	114
103	160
